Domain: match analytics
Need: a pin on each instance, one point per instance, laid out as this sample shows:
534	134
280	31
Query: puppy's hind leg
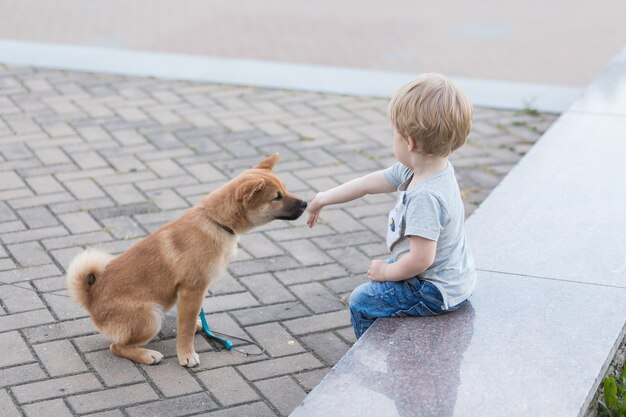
141	327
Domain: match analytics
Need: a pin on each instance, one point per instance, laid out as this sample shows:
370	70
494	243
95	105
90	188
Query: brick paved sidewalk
99	160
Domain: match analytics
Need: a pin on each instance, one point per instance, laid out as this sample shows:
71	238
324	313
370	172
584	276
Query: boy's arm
420	257
373	183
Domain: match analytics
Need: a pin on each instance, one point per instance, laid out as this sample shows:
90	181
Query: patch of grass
613	404
304	138
502	127
528	110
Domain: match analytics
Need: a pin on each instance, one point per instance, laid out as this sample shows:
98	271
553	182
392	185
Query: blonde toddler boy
431	269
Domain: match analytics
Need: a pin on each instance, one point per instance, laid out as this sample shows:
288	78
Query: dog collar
223	226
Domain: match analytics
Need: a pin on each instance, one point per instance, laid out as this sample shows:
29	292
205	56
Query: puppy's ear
268	163
247	190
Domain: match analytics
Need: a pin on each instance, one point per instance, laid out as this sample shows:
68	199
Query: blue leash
227	343
205	326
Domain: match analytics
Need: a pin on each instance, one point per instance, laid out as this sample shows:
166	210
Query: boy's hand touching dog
314	209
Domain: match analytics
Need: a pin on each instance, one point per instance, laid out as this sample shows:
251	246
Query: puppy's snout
302	204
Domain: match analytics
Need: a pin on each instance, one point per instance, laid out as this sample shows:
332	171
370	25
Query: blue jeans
411	297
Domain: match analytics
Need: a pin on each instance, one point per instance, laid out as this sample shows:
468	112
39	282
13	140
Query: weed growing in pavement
613	403
528	110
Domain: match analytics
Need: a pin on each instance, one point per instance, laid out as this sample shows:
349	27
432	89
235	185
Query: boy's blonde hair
433	112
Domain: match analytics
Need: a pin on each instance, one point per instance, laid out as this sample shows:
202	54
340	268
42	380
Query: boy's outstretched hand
314	209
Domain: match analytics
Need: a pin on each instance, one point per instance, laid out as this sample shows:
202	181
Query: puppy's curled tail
84	271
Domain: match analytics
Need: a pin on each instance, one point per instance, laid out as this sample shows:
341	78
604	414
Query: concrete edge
336	80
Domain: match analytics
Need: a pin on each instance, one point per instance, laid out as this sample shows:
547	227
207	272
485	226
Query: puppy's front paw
190	360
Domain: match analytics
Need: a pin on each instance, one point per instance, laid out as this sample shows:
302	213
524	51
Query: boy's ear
412	145
247	191
268	163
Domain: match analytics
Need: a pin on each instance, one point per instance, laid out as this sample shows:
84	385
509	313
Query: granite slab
561	212
523	347
607	93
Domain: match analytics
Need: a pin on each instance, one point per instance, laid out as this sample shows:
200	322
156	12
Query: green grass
612	404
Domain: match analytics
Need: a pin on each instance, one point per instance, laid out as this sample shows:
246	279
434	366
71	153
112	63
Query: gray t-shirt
434	210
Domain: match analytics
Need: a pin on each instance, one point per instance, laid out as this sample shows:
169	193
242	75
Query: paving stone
256	266
31	273
124	210
44	184
279	366
259	246
267	288
225	285
24	320
14	350
81	205
79	222
166	168
59	358
56	387
293	233
21	374
89	160
112	369
5	212
174	407
123	227
306	252
275	339
171	378
283	392
30	235
55	331
92	343
38	217
346	284
351	258
317	297
8	227
20	297
317	273
275	312
7	408
11	180
126	163
229	302
85	239
343	240
220	358
29	254
124	194
114	397
6	264
205	173
110	413
227	386
327	346
310	379
40	200
326	321
166	199
62	306
84	189
257	409
56	408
